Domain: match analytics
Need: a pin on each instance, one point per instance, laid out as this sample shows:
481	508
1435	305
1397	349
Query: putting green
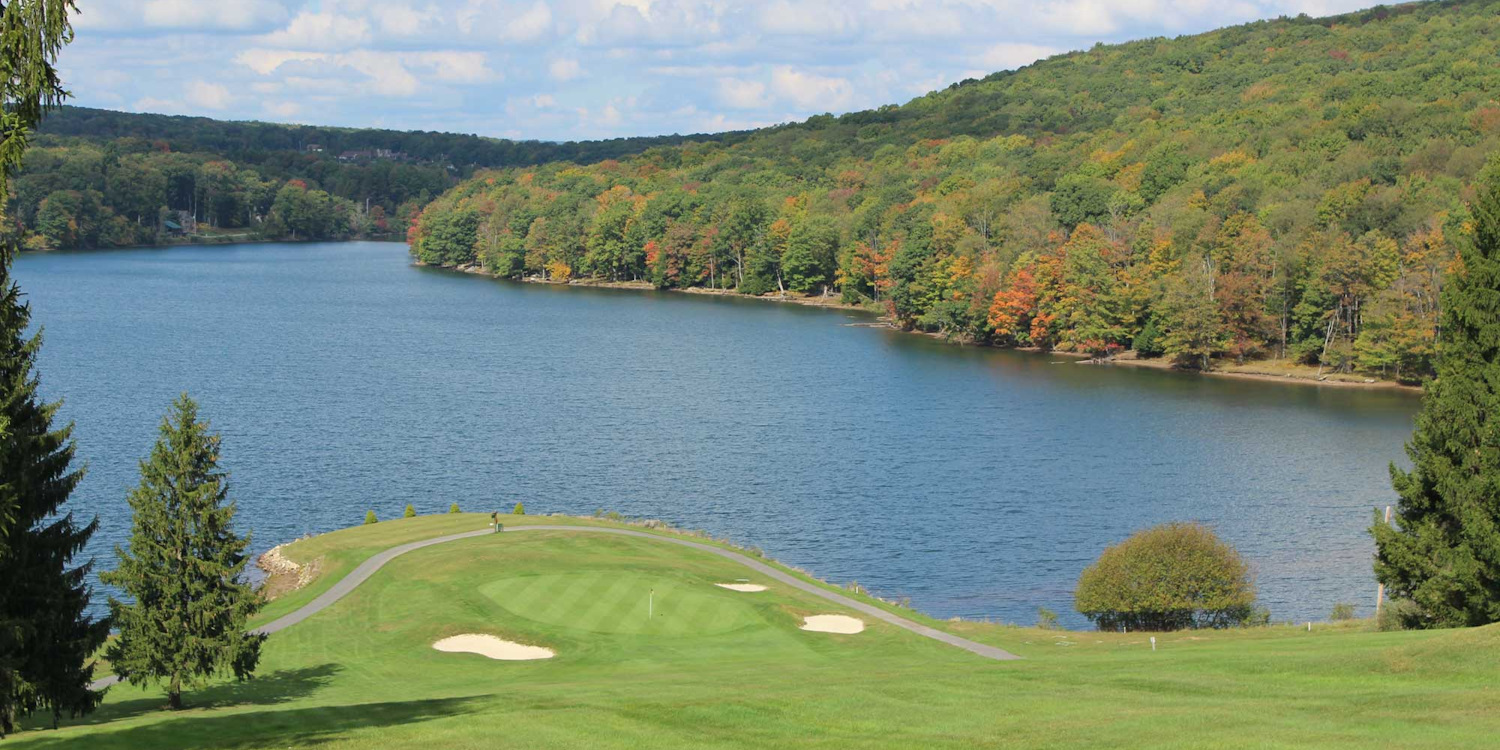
614	601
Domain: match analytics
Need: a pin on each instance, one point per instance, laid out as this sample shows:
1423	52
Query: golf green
609	601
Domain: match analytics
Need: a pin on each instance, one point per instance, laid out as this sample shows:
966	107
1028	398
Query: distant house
313	148
363	155
178	223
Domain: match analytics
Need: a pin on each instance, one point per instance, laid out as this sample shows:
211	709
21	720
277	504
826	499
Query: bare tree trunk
1327	337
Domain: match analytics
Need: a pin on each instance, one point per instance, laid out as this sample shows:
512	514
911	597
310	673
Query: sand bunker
745	587
833	624
494	648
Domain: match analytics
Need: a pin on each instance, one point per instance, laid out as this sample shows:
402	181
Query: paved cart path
364	570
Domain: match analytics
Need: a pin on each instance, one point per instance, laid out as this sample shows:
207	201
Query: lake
977	482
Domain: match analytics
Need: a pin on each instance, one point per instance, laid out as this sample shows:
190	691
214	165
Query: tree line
253	142
99	179
128	192
1289	188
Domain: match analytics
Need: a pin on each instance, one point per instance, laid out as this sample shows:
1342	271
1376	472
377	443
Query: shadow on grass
277	687
299	727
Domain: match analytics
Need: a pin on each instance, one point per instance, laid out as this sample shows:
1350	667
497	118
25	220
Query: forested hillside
96	178
1284	188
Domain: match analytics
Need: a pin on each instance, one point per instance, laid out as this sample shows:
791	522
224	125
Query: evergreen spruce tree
183	568
1444	551
45	636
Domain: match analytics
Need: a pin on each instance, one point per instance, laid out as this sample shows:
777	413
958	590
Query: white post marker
650	604
1153	643
1380	590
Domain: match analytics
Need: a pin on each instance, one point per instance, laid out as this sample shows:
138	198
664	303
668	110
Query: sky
583	69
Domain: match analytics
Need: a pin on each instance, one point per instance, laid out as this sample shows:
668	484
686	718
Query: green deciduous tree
1444	551
1081	198
182	571
1168	577
1188	316
811	256
449	239
1090	310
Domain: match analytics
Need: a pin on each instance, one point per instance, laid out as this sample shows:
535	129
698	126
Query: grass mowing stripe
623	610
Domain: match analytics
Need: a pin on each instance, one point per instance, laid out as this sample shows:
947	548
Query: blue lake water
975	481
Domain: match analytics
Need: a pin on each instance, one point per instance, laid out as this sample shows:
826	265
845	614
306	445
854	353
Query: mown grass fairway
716	668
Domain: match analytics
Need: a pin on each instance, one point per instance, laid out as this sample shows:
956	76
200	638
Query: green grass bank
717	668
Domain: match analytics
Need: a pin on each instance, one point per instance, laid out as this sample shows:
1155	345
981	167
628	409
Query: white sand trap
833	624
748	588
494	648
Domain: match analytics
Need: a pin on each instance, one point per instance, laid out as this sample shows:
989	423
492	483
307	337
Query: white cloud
207	95
809	18
387	74
313	31
264	61
543	101
1012	55
456	67
742	94
565	69
809	90
532	24
283	110
240	15
400	19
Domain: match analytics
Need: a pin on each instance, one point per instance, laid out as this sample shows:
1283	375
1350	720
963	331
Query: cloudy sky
570	69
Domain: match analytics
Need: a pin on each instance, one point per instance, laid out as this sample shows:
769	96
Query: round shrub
453	508
1168	577
1399	614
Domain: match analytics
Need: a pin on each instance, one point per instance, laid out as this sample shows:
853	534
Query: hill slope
1283	188
96	178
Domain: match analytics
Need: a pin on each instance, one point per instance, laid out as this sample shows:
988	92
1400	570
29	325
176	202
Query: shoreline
1255	371
1331	380
210	241
830	302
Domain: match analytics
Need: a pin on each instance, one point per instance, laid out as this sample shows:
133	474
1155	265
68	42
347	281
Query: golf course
649	652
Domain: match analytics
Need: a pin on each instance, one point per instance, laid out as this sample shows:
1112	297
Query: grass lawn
716	668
